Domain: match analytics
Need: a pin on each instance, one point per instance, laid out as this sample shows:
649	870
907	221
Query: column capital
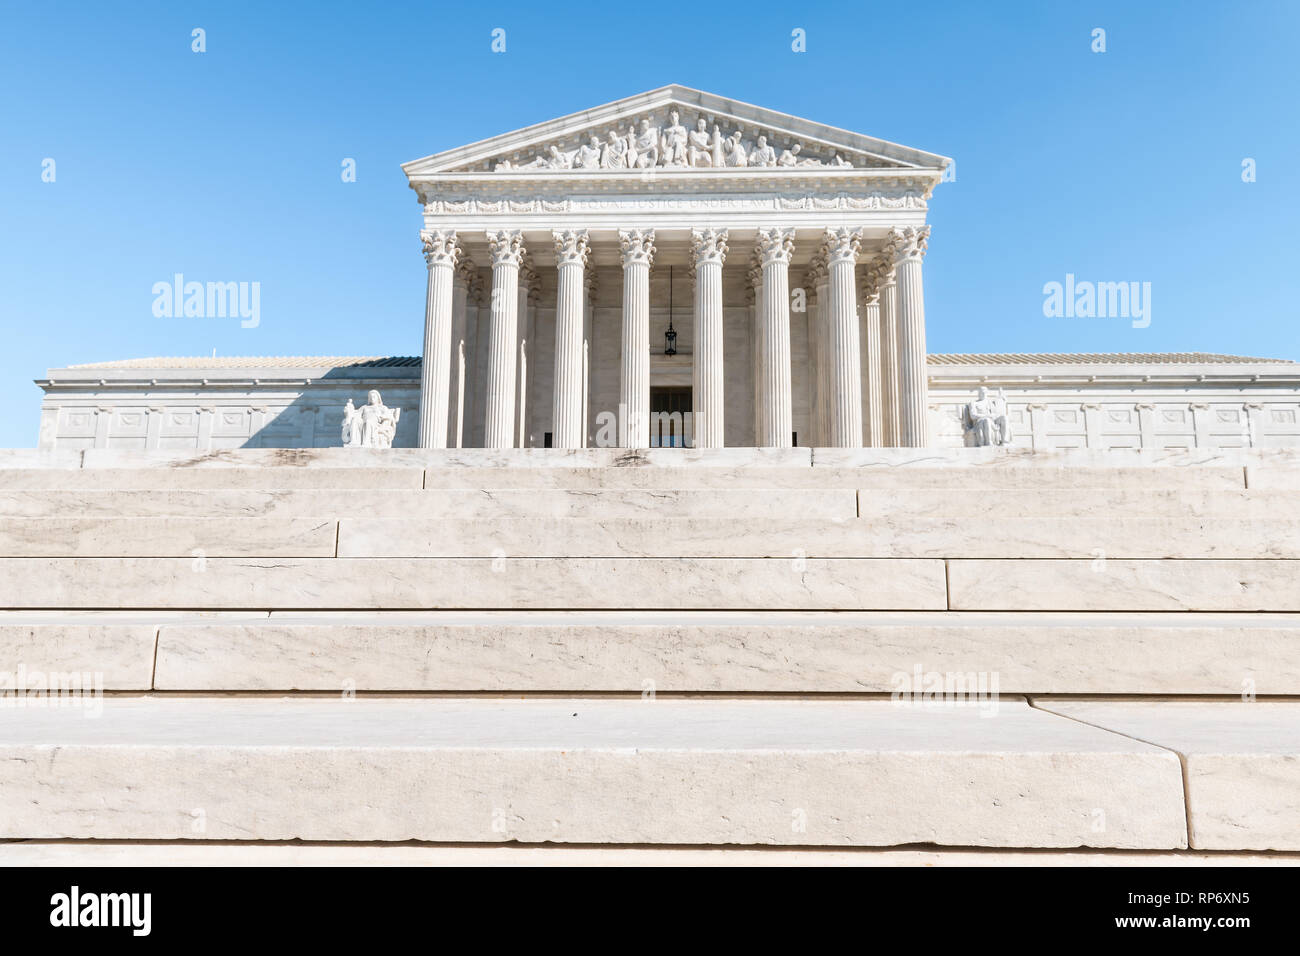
572	247
506	247
842	245
907	242
708	246
775	245
440	247
637	245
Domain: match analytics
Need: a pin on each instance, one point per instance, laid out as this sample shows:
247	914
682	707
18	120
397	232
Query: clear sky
225	165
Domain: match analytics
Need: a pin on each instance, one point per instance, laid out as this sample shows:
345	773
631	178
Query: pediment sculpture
647	145
373	425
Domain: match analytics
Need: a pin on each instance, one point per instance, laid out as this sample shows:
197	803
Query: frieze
866	203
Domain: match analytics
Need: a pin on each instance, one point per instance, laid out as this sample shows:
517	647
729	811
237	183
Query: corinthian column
869	330
567	416
907	247
634	370
507	250
845	349
441	253
775	246
754	302
528	297
460	338
887	282
817	279
708	250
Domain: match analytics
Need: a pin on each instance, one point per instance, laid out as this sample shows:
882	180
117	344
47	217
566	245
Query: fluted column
775	247
528	283
886	282
588	339
460	353
754	300
440	253
908	248
845	349
708	250
869	331
567	412
818	279
634	369
507	250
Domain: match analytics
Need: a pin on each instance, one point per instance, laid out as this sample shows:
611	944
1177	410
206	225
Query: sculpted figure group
373	425
647	146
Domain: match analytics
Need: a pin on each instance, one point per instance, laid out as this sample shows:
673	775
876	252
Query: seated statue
734	151
614	155
373	425
699	148
588	156
762	154
985	419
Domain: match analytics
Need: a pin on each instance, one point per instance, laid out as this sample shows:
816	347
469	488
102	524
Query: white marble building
784	256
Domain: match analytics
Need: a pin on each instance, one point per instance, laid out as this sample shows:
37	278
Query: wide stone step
463	503
665	651
985	536
1105	584
702	772
670	537
1242	763
203	582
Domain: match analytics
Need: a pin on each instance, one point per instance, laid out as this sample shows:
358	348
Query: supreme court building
677	268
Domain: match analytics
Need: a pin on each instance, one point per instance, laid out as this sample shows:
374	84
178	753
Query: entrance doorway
670	416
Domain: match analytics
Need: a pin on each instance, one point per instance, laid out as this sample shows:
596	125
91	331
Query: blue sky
1116	166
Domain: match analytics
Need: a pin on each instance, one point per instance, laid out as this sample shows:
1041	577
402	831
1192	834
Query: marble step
462	503
668	502
985	536
1135	502
646	537
666	651
1242	763
1106	584
736	652
662	772
379	479
215	583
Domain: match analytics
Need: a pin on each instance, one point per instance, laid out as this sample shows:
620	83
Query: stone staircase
943	649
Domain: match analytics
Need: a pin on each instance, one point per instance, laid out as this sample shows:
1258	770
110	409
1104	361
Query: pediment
638	134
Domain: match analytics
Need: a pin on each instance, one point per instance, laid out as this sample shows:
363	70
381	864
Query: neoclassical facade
785	256
676	268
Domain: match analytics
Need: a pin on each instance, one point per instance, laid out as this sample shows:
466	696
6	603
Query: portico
786	255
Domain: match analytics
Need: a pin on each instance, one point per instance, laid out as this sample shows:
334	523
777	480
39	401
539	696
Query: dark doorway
670	410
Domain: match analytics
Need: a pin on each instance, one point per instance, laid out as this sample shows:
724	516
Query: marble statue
646	146
673	144
588	156
699	149
762	154
985	419
614	153
373	425
734	151
789	156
